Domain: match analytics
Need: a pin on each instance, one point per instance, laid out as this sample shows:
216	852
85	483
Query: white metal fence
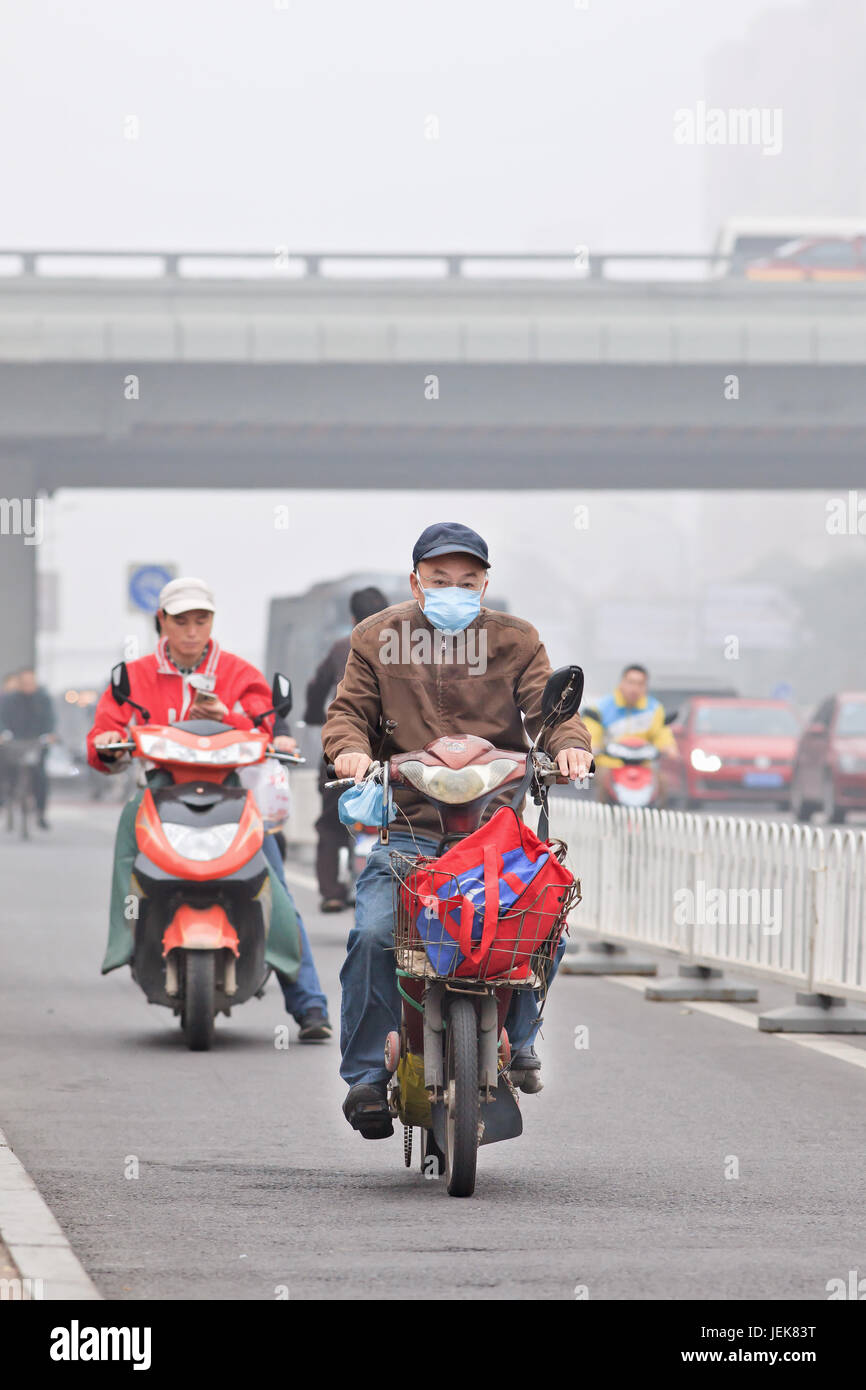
785	901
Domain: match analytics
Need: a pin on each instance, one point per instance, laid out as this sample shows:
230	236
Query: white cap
182	595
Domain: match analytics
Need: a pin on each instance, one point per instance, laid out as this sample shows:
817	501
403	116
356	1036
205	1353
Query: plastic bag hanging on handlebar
269	783
364	803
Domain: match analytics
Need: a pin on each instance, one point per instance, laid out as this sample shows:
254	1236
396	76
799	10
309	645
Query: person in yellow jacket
630	710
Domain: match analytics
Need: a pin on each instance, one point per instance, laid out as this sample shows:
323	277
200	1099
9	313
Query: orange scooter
200	874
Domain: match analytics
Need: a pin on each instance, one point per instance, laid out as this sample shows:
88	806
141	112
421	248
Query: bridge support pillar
701	982
20	537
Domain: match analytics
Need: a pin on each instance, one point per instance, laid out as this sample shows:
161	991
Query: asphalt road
251	1184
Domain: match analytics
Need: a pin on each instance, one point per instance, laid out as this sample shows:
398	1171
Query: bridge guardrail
284	262
787	902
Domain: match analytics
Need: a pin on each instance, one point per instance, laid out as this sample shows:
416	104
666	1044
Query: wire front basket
426	935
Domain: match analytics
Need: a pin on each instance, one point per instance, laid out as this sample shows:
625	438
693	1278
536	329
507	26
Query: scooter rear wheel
197	1017
462	1101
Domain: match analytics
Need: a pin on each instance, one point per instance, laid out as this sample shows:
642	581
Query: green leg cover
121	918
283	950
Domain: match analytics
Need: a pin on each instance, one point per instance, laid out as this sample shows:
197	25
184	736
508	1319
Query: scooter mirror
120	689
671	716
562	694
281	694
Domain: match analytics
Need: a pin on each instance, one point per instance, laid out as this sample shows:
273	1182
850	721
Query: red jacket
156	684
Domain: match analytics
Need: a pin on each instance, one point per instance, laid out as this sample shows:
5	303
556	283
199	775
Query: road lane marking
843	1052
830	1047
302	880
33	1237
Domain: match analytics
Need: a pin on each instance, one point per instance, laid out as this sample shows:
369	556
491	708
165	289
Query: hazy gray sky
263	123
305	125
634	546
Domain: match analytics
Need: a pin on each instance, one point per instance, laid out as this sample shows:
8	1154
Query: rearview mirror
120	688
281	695
562	694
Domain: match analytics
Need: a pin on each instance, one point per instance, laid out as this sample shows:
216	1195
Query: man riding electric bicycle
436	665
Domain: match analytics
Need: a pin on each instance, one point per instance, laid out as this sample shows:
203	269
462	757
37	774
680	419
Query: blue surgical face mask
451	609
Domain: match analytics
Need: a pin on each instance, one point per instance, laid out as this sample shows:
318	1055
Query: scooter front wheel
462	1101
197	1016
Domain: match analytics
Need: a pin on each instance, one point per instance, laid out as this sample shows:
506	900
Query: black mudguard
501	1116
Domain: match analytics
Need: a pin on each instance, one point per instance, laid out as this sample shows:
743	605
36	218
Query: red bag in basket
489	902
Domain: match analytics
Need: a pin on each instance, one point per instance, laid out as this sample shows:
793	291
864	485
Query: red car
830	768
734	750
813	258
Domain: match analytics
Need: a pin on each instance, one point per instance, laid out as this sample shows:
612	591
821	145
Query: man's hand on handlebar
352	764
574	764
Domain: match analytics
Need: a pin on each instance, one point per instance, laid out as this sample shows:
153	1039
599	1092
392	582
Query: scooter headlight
209	842
246	751
163	749
457	785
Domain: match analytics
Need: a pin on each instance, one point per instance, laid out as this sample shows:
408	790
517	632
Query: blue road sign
145	583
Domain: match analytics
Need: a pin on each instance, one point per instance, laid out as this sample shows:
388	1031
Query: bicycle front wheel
462	1100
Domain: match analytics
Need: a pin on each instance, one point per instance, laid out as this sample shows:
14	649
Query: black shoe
367	1110
333	905
525	1072
315	1026
42	823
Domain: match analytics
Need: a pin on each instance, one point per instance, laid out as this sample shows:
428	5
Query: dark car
830	767
733	750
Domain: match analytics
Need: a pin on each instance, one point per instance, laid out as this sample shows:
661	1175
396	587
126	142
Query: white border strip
831	1047
38	1247
301	880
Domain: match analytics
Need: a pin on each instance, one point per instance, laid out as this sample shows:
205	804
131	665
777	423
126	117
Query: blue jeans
306	992
371	1000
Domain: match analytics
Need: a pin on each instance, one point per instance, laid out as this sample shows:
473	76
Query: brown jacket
430	697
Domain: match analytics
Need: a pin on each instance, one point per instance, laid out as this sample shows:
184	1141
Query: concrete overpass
522	372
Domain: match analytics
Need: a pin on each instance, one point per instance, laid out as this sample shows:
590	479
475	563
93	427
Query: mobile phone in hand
203	687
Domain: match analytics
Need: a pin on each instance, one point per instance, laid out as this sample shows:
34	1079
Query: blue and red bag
486	905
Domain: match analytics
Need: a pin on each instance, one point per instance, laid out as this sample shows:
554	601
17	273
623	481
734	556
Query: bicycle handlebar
546	771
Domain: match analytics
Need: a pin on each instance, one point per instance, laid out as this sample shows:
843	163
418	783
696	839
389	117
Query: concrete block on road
815	1013
701	982
604	958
